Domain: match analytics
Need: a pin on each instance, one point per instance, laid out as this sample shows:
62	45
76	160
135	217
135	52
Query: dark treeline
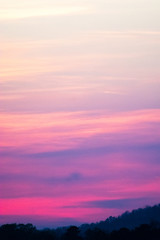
139	224
29	232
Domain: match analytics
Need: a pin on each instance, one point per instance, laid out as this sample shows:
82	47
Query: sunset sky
79	109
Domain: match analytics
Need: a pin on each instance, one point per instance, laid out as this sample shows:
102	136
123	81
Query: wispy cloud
124	203
20	13
122	33
70	129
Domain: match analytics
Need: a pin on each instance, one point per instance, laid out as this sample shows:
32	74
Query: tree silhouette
72	233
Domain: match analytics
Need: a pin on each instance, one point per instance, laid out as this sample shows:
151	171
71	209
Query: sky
79	109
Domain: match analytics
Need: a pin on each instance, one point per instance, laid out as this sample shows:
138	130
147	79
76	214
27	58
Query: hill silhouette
139	224
128	220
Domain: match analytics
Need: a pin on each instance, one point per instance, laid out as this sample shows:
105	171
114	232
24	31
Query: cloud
13	178
124	33
114	203
20	13
16	185
69	155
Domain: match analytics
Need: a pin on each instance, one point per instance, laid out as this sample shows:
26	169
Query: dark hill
130	220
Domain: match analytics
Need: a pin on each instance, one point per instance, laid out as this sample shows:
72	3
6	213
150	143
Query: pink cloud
52	163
